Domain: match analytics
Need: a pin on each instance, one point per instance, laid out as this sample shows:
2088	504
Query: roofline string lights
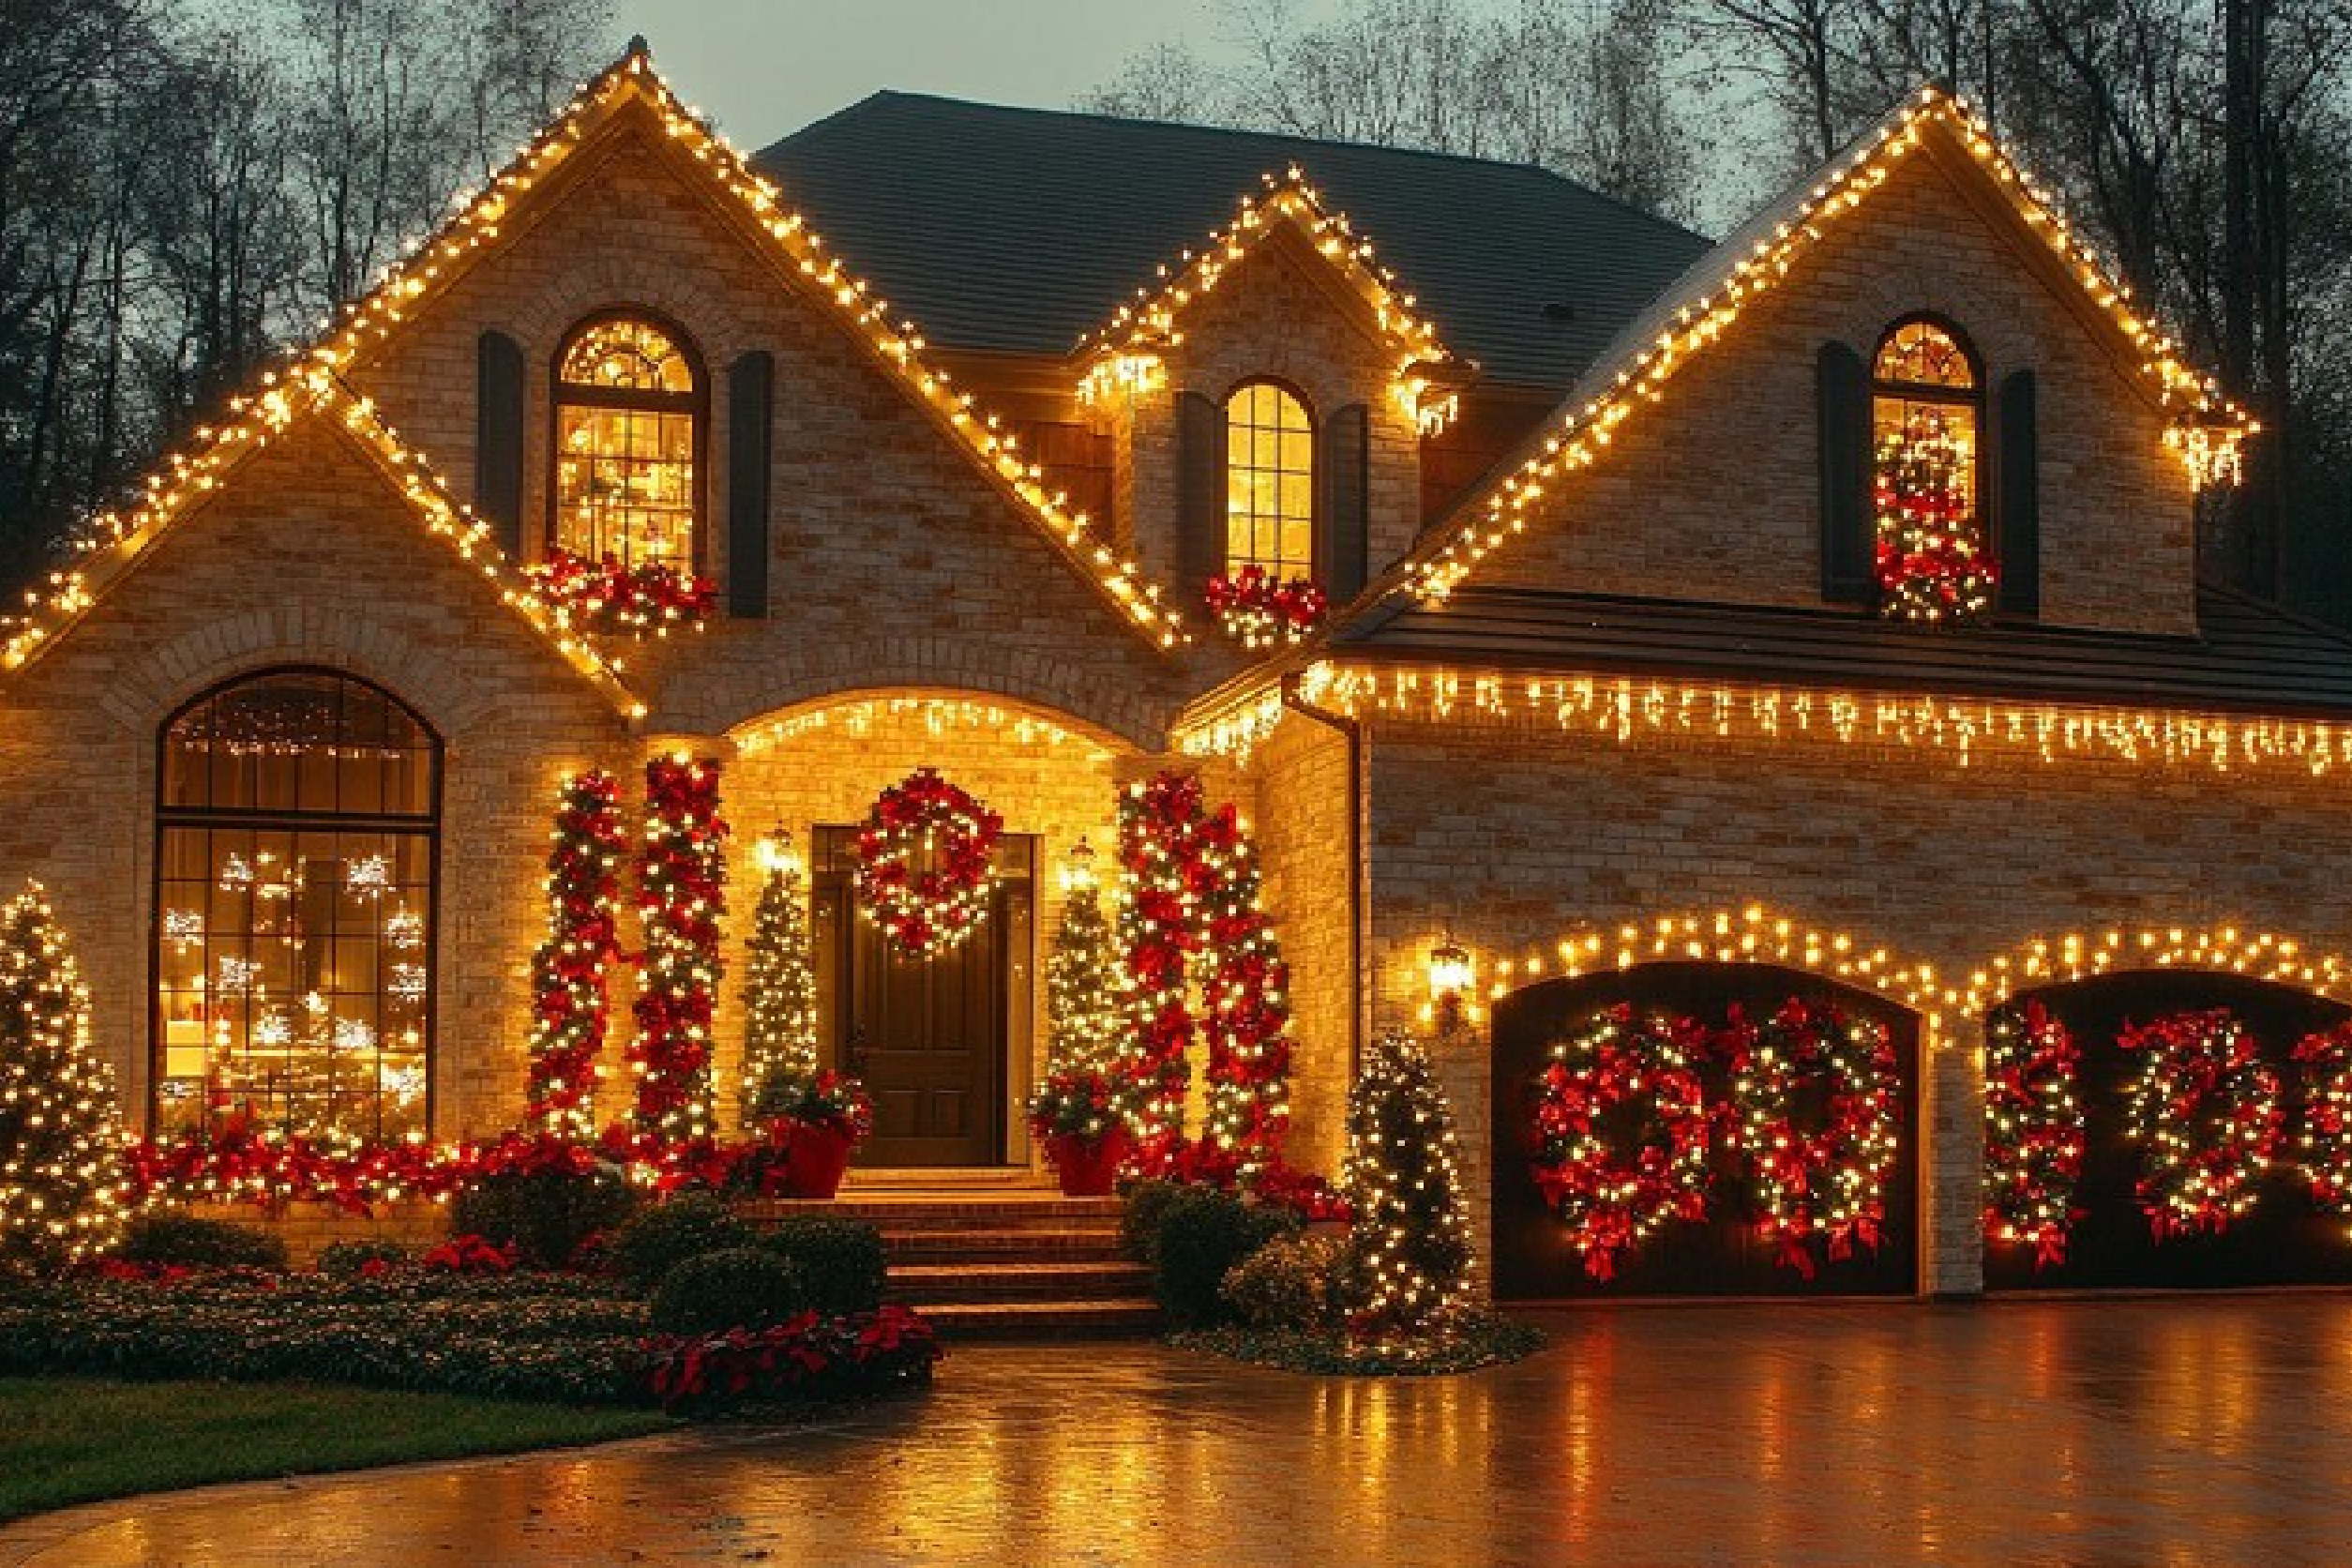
2206	432
937	717
1127	356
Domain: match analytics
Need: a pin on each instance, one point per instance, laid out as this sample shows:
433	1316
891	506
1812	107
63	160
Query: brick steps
926	1284
1122	1318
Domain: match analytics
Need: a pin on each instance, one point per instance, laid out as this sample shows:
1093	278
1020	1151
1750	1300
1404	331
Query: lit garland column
1156	937
571	1008
1246	991
1410	1242
681	897
779	985
1085	1030
61	1200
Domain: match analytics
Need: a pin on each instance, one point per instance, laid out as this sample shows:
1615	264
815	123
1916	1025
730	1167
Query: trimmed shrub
744	1288
1291	1284
544	1214
1202	1235
660	1236
841	1261
346	1259
1140	1218
160	1236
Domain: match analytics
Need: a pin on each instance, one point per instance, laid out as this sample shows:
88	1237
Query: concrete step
928	1285
1120	1319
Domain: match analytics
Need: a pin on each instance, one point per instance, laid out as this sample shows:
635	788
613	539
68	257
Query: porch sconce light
1077	872
1451	976
774	854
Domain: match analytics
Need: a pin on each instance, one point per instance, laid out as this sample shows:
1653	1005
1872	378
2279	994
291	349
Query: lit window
1269	482
296	829
628	412
1933	556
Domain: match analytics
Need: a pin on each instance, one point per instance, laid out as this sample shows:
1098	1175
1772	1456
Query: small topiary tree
779	990
60	1196
743	1287
1410	1255
842	1259
663	1235
1203	1233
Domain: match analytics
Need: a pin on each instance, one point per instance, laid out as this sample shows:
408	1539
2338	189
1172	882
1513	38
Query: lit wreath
1830	1181
2205	1113
1614	1193
2033	1131
931	912
2327	1143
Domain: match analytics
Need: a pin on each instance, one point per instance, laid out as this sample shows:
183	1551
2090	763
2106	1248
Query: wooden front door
930	1038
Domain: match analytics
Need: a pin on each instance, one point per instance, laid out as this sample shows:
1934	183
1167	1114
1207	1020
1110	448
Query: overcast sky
763	67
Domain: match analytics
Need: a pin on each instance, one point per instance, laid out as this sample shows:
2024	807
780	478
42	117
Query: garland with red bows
2033	1131
1826	1182
1613	1193
927	913
2205	1112
1158	933
2326	1141
570	1007
612	599
1261	609
681	897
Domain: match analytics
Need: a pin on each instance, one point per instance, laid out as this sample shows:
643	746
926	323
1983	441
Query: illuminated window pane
1923	354
1270	482
627	429
630	355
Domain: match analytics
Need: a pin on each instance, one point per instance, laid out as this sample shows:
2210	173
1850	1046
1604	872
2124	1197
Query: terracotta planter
815	1160
1088	1169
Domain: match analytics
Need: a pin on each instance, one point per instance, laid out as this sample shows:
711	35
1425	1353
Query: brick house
1607	706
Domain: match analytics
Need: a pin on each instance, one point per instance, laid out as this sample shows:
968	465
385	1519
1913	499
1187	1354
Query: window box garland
1261	610
611	598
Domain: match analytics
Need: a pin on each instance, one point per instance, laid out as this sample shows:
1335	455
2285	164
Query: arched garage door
2282	1239
1724	1253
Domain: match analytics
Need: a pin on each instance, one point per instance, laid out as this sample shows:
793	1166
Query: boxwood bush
544	1214
161	1236
841	1260
660	1236
347	1258
1291	1282
743	1287
1202	1235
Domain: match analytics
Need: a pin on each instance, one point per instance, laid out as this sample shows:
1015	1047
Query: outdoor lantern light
1450	973
1077	873
775	852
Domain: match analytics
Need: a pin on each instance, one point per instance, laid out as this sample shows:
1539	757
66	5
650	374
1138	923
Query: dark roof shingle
1021	230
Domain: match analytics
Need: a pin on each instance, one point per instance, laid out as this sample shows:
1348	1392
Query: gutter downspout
1358	872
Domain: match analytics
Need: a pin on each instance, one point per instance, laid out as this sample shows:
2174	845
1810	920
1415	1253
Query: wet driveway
2213	1429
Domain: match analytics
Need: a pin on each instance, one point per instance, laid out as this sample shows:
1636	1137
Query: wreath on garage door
2327	1146
2205	1112
1819	1126
1621	1130
2033	1131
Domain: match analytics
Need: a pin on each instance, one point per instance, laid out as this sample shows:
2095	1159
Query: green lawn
79	1439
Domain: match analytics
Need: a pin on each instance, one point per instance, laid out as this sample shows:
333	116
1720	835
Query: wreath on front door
2205	1113
2326	1058
1820	1112
926	911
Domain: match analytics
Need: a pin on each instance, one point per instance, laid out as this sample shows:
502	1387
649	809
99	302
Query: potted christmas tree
1076	1112
812	1117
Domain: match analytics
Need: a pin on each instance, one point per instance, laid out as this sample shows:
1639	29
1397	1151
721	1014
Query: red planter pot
815	1160
1088	1169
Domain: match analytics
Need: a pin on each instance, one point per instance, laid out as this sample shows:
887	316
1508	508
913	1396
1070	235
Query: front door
930	1038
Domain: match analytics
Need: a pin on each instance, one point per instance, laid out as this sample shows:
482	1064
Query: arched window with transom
1269	481
297	830
630	401
1933	553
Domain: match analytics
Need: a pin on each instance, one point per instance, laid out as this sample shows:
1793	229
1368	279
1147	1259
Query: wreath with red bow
924	864
1616	1074
2327	1143
2205	1113
1819	1128
2033	1131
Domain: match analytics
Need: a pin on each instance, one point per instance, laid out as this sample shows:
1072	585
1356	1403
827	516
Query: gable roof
1021	230
1706	302
191	478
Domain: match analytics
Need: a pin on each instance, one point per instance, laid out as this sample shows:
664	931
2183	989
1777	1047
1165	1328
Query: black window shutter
2018	498
1199	493
750	394
1340	554
1842	401
498	438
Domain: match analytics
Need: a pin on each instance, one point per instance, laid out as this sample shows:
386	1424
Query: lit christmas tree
60	1195
1086	1029
681	897
1932	561
571	1007
779	984
1410	1245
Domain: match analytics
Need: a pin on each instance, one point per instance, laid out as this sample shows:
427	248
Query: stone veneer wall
1516	836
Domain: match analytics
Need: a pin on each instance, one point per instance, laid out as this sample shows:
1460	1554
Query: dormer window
629	405
1932	553
1269	482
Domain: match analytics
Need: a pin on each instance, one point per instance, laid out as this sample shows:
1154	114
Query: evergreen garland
61	1197
681	897
570	1005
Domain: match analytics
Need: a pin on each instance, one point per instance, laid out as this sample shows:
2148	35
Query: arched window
297	828
1933	556
1269	481
629	401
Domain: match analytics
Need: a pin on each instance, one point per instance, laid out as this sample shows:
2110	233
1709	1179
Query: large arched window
1269	481
1933	556
297	823
629	401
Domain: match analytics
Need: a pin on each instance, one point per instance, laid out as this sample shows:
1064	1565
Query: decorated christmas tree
570	1005
681	897
1932	562
60	1197
779	985
1087	1033
1409	1270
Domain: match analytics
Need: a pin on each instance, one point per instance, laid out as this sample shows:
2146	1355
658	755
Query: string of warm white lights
1129	353
939	718
61	1193
571	1008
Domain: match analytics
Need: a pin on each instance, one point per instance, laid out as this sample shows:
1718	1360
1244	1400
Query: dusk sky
763	67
